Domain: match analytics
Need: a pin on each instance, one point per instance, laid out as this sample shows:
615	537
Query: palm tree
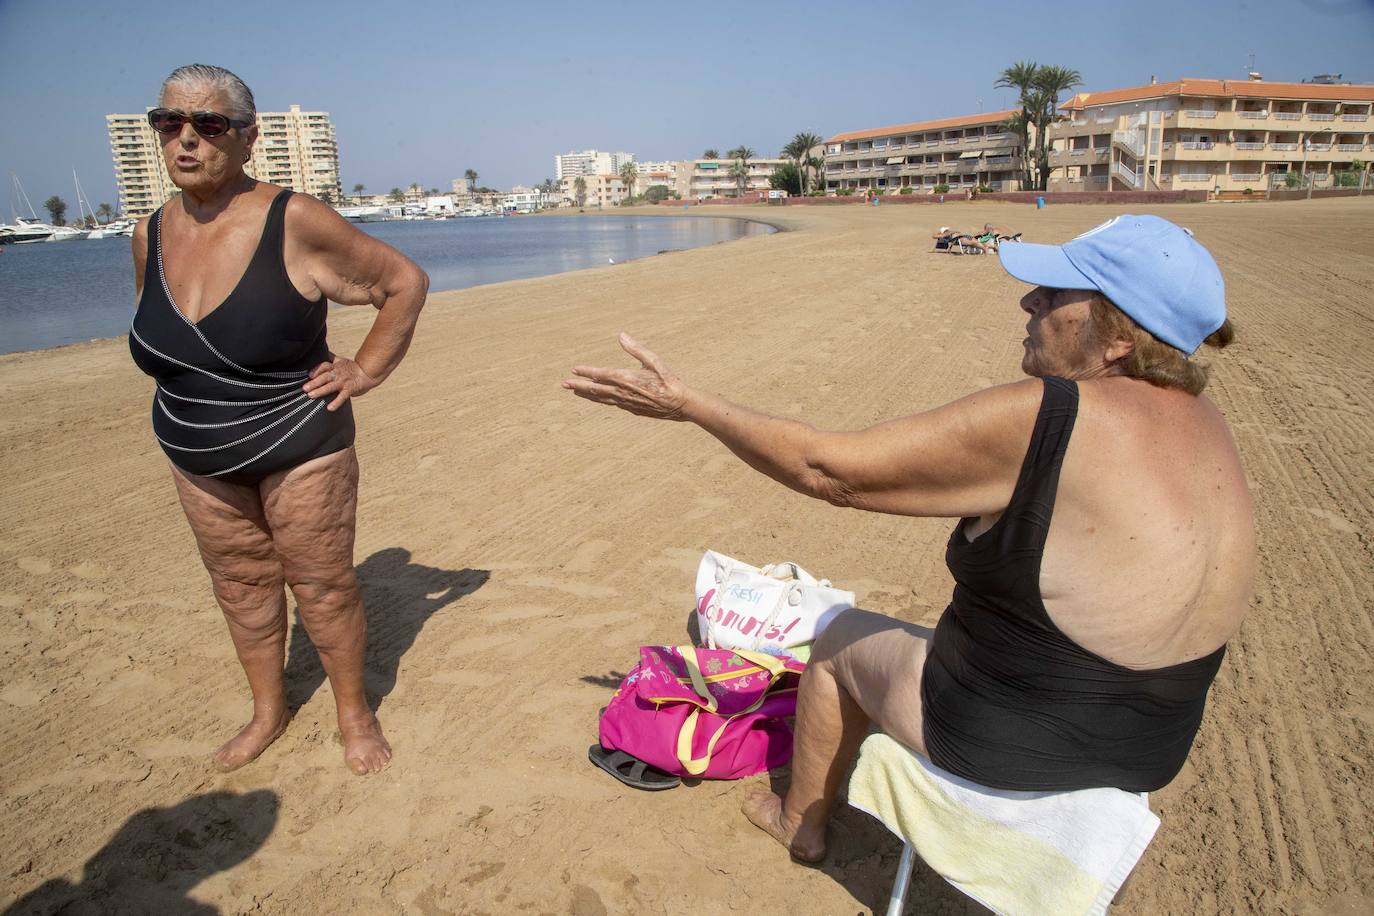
415	188
105	211
1021	77
358	190
710	154
471	177
397	195
740	170
1050	82
628	173
799	150
580	190
57	208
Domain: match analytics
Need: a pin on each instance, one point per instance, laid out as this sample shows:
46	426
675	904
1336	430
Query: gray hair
236	90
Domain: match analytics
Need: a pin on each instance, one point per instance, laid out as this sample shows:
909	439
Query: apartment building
963	152
599	190
295	149
698	179
140	174
1205	134
589	162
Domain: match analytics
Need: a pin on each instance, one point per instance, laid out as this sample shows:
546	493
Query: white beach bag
764	610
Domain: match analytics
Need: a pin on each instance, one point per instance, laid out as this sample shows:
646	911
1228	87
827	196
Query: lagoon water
55	294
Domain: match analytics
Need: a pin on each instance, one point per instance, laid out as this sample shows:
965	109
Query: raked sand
516	545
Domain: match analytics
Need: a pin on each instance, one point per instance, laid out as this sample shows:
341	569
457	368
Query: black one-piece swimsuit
229	401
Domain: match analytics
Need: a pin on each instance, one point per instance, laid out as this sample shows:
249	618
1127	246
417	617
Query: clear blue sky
422	91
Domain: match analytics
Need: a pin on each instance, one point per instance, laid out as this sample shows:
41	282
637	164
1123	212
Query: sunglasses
206	123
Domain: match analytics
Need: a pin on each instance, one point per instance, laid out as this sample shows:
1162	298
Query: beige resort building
962	152
295	149
1202	134
699	179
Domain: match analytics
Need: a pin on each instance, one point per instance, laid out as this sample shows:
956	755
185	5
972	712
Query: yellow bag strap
695	766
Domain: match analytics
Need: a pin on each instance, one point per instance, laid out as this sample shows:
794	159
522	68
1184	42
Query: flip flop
631	770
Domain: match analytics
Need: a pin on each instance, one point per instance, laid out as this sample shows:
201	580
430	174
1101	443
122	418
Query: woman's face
198	164
1060	337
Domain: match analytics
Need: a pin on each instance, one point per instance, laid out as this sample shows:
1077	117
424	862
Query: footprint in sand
585	557
35	565
89	571
1337	522
10	601
427	462
24	694
708	506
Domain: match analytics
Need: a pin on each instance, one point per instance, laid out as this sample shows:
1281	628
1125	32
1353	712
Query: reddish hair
1151	359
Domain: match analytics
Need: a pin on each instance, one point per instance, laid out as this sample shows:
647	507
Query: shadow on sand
159	855
398	597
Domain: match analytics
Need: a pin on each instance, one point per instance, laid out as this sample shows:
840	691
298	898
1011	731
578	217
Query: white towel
1013	852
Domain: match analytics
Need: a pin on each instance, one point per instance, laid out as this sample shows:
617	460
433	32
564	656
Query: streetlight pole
1306	145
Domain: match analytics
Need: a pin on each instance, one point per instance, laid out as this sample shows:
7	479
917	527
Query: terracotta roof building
964	152
1226	135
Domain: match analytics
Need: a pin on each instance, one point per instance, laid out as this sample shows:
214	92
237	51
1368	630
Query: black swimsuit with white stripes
229	402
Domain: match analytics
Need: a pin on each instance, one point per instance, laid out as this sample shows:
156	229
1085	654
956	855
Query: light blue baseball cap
1151	269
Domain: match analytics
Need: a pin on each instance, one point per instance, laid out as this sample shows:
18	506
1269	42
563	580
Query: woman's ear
1118	349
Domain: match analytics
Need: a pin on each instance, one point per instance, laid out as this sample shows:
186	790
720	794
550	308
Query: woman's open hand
341	377
652	391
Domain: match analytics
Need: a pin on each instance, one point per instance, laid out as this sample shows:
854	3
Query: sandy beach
516	545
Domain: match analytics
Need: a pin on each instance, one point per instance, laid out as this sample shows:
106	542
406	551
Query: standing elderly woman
1104	555
252	407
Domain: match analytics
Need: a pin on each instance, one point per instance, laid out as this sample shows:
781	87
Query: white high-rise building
295	149
589	162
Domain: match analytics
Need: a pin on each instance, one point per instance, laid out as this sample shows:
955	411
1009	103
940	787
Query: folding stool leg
897	901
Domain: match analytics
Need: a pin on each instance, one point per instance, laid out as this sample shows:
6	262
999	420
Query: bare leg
231	531
865	667
312	511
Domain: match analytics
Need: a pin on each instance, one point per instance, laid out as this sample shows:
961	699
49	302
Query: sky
420	92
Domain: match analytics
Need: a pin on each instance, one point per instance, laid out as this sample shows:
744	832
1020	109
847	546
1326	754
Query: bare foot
365	747
251	741
764	810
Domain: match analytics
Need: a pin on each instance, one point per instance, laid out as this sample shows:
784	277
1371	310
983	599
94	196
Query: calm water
55	294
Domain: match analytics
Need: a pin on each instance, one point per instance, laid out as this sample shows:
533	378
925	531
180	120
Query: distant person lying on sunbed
947	239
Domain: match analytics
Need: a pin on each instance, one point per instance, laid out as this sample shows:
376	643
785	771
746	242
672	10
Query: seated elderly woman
252	407
1103	557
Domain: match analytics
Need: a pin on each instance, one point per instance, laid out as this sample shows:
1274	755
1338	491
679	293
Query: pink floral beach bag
710	713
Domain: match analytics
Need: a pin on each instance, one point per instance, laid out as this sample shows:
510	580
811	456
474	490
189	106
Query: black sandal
632	771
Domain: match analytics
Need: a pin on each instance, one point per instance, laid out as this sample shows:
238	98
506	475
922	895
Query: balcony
972	139
1288	115
1354	117
1319	147
1283	146
1245	176
950	141
1249	145
1253	114
932	143
1197	144
1193	177
1321	116
1350	147
1199	113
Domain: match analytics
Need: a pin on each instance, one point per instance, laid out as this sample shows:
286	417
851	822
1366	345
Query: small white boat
363	214
67	234
113	229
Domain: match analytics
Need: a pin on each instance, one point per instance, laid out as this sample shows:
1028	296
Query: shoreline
629	211
516	545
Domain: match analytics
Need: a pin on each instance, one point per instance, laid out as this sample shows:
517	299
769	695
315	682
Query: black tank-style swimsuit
229	401
1009	700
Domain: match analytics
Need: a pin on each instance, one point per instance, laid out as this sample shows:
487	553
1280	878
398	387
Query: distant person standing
252	407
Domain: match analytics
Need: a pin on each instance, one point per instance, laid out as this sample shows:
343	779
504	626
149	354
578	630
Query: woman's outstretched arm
961	459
